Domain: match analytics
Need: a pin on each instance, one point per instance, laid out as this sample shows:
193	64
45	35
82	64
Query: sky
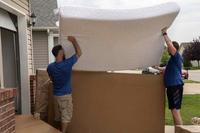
185	28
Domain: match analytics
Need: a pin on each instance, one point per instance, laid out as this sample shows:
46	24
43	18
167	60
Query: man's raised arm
169	43
76	46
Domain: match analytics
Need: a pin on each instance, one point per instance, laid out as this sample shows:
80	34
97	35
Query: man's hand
170	46
161	69
164	30
71	39
76	45
185	74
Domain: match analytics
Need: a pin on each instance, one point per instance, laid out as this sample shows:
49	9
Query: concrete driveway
194	75
192	88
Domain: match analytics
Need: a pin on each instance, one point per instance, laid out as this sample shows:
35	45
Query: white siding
40	49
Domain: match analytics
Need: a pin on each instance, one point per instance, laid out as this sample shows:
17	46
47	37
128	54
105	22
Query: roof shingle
43	9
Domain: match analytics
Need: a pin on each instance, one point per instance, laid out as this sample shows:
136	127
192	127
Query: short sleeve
73	59
177	58
48	70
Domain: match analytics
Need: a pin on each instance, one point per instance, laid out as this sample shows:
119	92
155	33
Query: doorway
10	75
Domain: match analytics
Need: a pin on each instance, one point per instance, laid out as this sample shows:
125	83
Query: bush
187	64
165	58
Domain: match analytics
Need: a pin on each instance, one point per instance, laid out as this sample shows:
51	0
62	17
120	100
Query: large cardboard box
44	96
116	103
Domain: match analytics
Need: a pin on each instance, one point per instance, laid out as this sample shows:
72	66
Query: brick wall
32	91
7	110
43	91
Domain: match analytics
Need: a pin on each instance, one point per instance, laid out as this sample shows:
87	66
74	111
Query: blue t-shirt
60	74
173	71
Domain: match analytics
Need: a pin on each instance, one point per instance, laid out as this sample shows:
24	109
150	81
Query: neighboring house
182	48
16	60
45	32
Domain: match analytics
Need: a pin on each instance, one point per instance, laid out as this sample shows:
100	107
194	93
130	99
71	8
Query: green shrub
187	63
165	58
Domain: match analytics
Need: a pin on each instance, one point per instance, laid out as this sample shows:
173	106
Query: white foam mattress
116	39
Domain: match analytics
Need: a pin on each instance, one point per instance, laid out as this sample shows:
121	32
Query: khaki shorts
63	107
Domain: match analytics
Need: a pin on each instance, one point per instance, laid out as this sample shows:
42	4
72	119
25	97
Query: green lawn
195	68
191	81
190	109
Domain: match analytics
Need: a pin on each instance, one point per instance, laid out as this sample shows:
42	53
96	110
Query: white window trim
50	46
1	65
51	37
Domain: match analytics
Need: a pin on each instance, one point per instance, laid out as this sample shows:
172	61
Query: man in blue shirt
173	79
60	74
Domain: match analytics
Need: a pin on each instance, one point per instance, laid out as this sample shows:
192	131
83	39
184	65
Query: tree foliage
187	64
165	57
192	51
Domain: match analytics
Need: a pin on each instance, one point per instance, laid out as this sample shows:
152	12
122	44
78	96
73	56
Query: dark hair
176	45
56	49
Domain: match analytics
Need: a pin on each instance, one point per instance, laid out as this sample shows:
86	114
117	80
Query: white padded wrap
116	39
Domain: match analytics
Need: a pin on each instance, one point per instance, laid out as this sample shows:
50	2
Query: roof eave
44	28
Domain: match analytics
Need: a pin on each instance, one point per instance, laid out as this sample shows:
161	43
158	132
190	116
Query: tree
187	64
192	51
165	57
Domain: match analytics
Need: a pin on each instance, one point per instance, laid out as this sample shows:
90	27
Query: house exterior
45	32
16	55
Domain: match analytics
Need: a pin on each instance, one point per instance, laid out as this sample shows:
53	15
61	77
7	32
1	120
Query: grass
190	109
192	68
191	81
195	68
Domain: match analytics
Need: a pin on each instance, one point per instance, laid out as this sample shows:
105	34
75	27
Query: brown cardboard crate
114	103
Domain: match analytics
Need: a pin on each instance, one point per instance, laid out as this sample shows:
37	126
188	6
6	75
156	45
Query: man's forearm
76	45
161	69
169	43
167	39
77	48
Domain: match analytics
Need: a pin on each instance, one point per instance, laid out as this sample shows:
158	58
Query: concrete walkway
194	75
183	129
192	88
169	129
27	124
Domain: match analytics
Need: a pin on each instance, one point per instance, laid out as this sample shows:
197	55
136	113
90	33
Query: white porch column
50	45
23	48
